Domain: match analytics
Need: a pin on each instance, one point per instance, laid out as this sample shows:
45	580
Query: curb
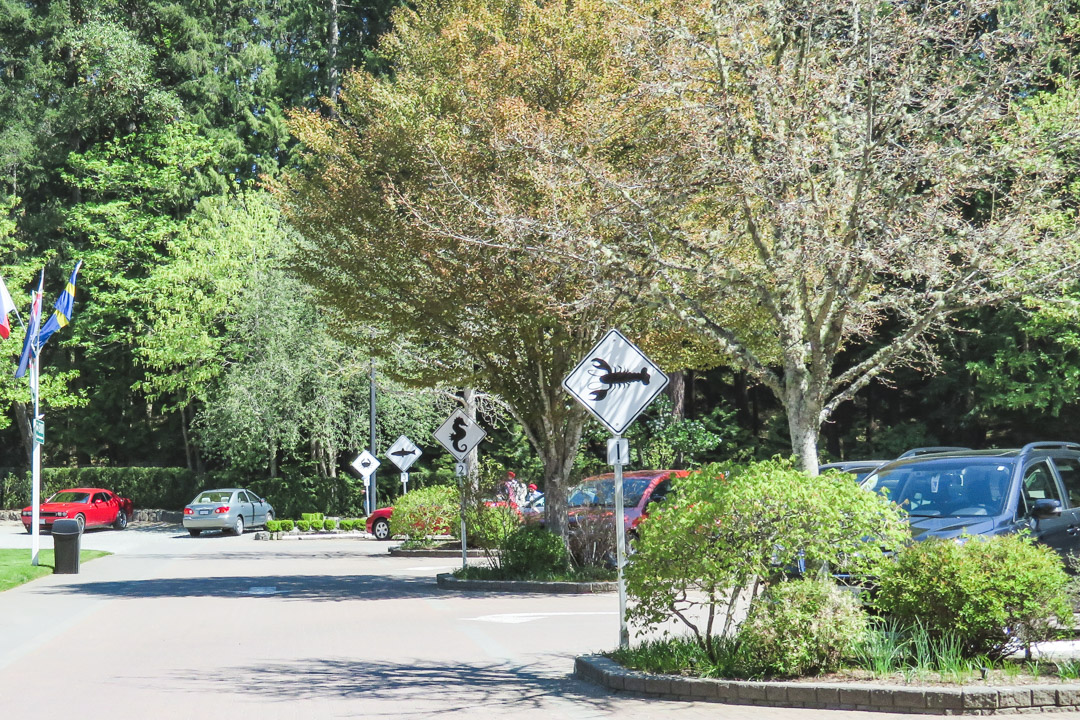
398	552
965	700
449	582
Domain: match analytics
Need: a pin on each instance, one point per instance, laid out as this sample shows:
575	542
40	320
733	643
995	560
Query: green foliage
311	516
724	529
995	594
287	525
329	524
347	525
801	627
303	525
532	552
428	511
273	525
148	487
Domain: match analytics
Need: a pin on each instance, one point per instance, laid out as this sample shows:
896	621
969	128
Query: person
515	491
533	495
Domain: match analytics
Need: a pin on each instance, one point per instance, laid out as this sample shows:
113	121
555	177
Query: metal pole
372	495
620	549
462	470
35	493
404	483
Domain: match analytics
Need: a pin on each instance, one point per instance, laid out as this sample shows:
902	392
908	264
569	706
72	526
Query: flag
6	307
30	342
65	304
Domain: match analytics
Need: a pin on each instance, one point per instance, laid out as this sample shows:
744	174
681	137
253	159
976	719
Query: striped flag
30	341
6	308
65	304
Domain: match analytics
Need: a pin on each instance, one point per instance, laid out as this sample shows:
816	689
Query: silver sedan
228	510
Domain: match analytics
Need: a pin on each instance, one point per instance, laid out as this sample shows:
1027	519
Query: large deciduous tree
834	169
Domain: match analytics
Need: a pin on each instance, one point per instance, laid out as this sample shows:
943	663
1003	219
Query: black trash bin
67	539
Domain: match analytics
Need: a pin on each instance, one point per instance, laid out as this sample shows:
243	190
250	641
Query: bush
488	526
800	627
303	525
428	511
329	524
532	551
286	525
704	550
996	594
347	525
148	487
312	517
273	525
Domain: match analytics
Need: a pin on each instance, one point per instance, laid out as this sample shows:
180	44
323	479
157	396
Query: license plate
204	512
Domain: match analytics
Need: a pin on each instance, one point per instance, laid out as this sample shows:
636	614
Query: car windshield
67	496
947	487
213	496
601	493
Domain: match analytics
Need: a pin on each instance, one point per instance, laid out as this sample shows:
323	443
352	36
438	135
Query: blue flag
29	342
65	304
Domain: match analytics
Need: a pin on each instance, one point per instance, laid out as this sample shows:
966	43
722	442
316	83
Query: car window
1039	484
214	496
100	497
69	497
660	491
244	496
1069	471
946	487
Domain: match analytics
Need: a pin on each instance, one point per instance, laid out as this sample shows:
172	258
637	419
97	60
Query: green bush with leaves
303	525
726	530
312	517
800	627
273	525
287	525
347	525
488	526
428	511
329	524
996	594
533	552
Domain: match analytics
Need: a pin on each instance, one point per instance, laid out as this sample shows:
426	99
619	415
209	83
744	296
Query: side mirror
1045	508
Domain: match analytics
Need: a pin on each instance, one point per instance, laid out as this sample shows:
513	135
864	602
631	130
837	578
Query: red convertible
90	507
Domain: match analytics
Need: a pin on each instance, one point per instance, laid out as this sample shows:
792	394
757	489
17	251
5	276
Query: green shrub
996	594
311	517
488	526
303	525
329	524
148	487
723	529
347	525
532	551
287	525
273	525
428	511
800	627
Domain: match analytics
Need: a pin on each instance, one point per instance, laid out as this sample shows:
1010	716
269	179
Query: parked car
989	492
378	523
533	510
226	509
90	507
595	497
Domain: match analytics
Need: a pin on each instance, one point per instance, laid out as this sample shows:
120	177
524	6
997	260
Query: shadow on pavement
283	587
445	687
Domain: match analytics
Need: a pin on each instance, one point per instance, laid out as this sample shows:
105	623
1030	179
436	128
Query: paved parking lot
178	627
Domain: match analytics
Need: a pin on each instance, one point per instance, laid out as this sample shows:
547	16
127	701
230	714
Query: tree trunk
332	42
187	439
677	392
558	460
803	404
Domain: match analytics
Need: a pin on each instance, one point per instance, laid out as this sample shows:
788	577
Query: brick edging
965	700
398	552
449	582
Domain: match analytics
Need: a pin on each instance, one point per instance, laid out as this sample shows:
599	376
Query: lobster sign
615	381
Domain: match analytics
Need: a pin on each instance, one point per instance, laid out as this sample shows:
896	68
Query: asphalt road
178	627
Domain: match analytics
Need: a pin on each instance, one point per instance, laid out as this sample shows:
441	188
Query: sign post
404	453
615	382
459	434
366	464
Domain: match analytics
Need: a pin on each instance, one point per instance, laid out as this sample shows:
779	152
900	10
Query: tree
827	171
415	209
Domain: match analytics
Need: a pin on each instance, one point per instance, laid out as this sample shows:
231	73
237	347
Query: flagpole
35	502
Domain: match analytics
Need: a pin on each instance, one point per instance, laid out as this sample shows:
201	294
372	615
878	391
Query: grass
15	567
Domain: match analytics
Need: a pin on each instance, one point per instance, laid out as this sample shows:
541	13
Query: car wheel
121	520
381	529
238	526
194	532
81	519
269	517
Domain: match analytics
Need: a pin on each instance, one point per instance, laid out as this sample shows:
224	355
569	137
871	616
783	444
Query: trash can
67	539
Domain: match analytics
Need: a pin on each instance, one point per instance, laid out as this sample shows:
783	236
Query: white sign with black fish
459	434
615	381
403	453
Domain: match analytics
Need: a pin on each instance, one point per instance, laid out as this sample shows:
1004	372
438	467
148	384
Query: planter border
964	700
434	553
447	581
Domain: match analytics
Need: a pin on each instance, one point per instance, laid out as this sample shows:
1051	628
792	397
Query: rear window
214	496
947	487
601	492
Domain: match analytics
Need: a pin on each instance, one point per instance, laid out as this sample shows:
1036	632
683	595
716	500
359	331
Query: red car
90	507
378	523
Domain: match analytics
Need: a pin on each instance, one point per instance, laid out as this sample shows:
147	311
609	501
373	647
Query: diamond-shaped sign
365	464
615	382
459	434
403	453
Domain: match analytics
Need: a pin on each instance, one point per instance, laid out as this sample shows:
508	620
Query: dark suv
988	492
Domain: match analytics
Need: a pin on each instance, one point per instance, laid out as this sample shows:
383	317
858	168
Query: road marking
517	618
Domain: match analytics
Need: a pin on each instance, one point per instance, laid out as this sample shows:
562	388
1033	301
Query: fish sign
615	381
459	435
403	453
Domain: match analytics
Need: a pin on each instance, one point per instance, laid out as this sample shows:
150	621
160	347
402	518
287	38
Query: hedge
148	487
